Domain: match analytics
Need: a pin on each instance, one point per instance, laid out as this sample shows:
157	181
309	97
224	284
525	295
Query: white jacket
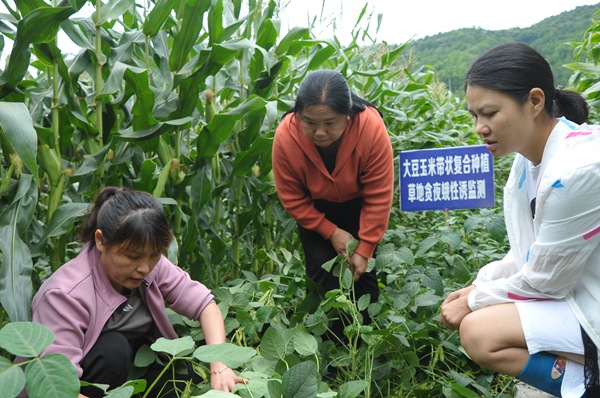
557	254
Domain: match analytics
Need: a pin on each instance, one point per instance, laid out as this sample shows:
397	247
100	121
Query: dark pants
318	251
110	361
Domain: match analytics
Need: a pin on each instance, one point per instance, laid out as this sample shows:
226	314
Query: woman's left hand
455	307
224	378
357	265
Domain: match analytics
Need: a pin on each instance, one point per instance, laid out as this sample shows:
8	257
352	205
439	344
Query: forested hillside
451	53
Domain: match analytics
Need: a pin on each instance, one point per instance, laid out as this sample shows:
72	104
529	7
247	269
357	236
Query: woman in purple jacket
110	299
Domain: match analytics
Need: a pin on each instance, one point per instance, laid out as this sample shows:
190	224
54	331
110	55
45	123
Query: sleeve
497	270
68	320
568	235
292	192
377	179
183	294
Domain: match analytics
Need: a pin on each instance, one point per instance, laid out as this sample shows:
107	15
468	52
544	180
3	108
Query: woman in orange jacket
334	172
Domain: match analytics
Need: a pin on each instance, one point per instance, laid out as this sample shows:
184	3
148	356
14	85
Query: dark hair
328	87
127	218
514	69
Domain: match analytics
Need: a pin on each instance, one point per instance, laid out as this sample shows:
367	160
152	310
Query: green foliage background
181	99
450	53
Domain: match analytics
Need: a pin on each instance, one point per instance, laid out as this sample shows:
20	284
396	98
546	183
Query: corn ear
209	109
50	163
164	151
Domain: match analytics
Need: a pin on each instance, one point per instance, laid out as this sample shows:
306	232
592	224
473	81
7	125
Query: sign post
446	178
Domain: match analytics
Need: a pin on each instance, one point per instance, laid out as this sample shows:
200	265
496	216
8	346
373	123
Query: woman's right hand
339	239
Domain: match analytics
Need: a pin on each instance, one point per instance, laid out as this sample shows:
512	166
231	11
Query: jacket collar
348	142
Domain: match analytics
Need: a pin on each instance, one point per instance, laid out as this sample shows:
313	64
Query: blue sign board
447	178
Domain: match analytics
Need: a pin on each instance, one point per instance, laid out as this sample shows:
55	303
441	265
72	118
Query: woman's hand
223	378
339	239
455	307
358	265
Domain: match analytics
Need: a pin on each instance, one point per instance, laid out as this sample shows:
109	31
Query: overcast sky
403	20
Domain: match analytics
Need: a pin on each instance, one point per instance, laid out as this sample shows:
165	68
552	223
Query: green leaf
174	347
124	391
267	35
144	98
295	34
347	277
144	357
275	388
300	381
390	56
157	16
61	223
16	263
53	375
17	126
425	246
363	302
12	379
427	299
91	163
112	10
184	40
329	265
246	159
25	339
320	57
217	394
464	391
130	134
147	176
76	35
220	128
39	26
351	246
215	22
202	188
272	345
352	389
304	343
230	354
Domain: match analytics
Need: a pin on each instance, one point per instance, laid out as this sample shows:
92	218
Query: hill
451	53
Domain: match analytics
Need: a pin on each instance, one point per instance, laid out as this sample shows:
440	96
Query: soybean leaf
304	342
230	354
272	345
352	389
300	381
25	339
53	375
12	379
174	347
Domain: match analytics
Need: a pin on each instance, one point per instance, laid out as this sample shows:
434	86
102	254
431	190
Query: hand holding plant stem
345	245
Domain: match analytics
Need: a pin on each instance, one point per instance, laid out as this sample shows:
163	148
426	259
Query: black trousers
110	361
318	251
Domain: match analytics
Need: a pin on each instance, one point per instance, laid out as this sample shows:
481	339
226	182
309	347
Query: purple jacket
77	300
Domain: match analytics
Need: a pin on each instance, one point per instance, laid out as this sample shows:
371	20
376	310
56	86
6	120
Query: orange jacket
364	168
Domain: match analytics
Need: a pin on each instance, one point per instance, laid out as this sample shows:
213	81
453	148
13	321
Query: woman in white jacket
535	314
